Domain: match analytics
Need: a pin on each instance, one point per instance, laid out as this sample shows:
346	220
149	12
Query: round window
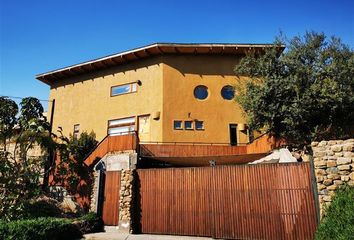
201	92
228	92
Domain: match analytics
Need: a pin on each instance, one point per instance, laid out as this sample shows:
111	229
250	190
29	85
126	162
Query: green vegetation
338	223
50	228
303	94
41	208
25	211
39	229
20	173
91	223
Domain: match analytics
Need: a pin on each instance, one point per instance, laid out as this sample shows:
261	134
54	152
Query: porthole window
201	92
228	92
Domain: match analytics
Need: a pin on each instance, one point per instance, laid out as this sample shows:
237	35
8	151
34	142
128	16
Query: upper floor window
188	125
177	125
201	92
123	89
199	125
121	126
76	130
228	92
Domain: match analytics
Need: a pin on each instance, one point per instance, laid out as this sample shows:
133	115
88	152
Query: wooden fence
273	201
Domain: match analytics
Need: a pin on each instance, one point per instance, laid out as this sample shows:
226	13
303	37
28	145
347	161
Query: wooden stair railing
112	144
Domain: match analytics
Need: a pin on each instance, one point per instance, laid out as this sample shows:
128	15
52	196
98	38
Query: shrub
90	223
39	229
339	220
42	208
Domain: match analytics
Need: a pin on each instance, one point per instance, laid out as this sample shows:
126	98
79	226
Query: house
172	105
166	93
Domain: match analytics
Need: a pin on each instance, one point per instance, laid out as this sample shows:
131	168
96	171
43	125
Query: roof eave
148	51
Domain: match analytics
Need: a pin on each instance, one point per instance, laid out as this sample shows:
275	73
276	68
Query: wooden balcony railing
263	144
112	144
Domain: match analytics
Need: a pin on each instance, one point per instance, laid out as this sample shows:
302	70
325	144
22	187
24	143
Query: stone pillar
125	201
334	166
94	193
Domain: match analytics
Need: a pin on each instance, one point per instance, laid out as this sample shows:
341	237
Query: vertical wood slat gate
271	201
110	212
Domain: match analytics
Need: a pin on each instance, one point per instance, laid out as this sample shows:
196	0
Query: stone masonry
94	193
334	166
125	201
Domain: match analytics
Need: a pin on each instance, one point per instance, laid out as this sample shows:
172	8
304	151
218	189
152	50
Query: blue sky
37	36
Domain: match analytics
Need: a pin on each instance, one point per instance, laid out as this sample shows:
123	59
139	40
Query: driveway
113	234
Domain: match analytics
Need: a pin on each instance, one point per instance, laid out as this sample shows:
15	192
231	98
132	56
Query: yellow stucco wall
86	99
168	84
181	74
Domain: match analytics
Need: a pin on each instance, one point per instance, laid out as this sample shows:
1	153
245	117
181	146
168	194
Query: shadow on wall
203	64
77	182
131	66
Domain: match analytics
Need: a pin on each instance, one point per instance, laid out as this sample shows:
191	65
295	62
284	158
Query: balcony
184	154
201	154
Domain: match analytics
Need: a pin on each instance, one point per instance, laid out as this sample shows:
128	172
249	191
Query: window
199	125
177	124
76	130
228	92
188	125
121	126
123	89
201	92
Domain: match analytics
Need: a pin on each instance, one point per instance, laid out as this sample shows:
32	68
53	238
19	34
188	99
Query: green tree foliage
302	94
8	111
339	220
20	173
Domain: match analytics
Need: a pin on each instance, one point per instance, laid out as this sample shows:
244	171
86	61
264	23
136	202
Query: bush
42	208
39	229
90	223
339	220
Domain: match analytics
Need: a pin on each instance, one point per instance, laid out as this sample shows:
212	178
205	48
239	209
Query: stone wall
94	193
125	201
334	166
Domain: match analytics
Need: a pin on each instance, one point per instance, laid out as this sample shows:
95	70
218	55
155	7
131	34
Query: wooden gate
110	212
272	201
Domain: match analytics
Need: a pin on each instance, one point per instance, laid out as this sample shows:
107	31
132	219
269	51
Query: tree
8	111
20	173
302	94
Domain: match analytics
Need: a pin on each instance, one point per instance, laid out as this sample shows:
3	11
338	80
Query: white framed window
228	92
121	126
76	130
188	125
199	125
177	125
201	92
123	89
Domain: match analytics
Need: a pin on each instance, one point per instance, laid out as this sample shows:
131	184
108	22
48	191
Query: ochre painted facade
167	86
86	100
181	74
